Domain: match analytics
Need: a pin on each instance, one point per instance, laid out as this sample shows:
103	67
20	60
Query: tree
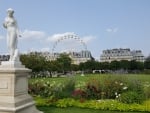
65	61
105	65
97	65
89	66
134	65
115	65
35	62
56	66
140	65
74	67
82	66
147	63
125	64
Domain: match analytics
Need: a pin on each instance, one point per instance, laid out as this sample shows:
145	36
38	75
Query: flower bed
112	105
110	93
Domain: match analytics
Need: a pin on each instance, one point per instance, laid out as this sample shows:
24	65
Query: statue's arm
5	23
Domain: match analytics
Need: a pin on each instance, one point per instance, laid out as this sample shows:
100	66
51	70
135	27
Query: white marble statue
12	35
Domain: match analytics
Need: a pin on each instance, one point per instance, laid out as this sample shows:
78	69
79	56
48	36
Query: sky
100	24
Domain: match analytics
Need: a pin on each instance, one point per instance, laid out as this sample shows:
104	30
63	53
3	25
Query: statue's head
10	11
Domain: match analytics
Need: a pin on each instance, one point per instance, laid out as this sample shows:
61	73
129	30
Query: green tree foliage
65	61
82	66
104	65
134	65
115	65
34	62
89	66
147	63
74	67
55	66
125	64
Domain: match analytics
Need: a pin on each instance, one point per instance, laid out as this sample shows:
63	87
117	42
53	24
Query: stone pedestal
14	97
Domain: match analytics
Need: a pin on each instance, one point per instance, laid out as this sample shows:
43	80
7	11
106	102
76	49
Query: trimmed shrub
135	85
95	104
78	94
147	90
93	89
48	89
131	97
146	71
112	88
67	89
39	88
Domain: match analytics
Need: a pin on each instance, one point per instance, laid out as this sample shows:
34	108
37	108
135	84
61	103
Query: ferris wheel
67	36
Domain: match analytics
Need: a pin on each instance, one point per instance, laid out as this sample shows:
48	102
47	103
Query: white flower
115	93
99	100
116	82
124	88
121	84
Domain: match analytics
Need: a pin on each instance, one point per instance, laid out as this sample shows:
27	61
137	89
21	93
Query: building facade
77	57
4	58
80	57
121	54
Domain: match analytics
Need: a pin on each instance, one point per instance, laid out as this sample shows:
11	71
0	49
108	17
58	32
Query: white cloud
28	34
45	49
53	38
56	37
88	39
109	30
112	30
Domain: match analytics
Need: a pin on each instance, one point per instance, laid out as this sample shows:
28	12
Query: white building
77	57
80	57
121	54
4	58
137	55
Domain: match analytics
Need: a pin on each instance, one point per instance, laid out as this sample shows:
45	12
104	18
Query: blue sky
101	24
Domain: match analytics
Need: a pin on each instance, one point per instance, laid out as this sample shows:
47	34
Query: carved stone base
14	97
19	104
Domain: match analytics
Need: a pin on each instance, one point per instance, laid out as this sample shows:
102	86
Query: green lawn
78	78
77	110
